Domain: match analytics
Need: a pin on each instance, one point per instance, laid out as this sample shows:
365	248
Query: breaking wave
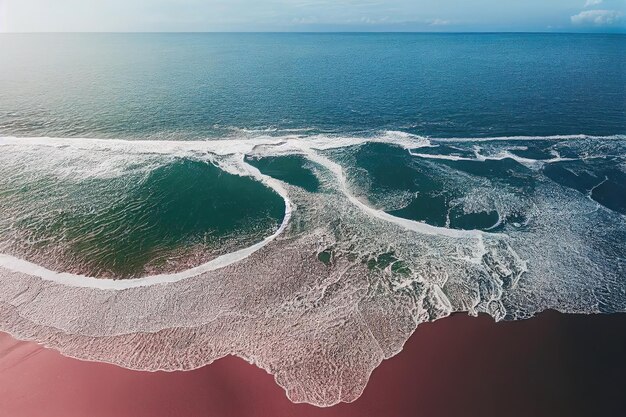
376	234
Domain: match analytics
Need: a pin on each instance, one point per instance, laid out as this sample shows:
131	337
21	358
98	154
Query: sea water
304	199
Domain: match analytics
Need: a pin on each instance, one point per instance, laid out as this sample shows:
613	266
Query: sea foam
321	327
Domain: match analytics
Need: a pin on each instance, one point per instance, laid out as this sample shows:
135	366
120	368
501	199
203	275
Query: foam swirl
355	265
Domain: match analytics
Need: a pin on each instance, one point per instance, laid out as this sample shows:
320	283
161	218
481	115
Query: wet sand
552	365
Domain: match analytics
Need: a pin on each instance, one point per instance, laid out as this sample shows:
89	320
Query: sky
312	15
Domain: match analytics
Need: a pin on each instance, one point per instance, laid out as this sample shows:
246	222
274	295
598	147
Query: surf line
74	280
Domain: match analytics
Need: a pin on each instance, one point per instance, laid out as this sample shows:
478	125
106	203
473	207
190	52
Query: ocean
304	201
197	86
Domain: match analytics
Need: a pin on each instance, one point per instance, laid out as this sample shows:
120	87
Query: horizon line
553	32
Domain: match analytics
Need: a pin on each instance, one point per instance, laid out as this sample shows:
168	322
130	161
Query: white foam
528	162
308	146
220	147
530	138
277	303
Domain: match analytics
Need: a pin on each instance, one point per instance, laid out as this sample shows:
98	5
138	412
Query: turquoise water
159	217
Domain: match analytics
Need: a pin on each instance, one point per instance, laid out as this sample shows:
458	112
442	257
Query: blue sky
312	15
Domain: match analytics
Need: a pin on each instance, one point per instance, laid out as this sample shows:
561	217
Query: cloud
439	22
309	20
590	3
597	17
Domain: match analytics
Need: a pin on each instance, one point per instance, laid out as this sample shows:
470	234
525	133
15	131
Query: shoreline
552	364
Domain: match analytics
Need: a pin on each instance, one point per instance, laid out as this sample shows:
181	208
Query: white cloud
439	22
590	3
597	17
309	20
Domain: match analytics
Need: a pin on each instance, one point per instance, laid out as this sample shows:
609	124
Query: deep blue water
204	85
